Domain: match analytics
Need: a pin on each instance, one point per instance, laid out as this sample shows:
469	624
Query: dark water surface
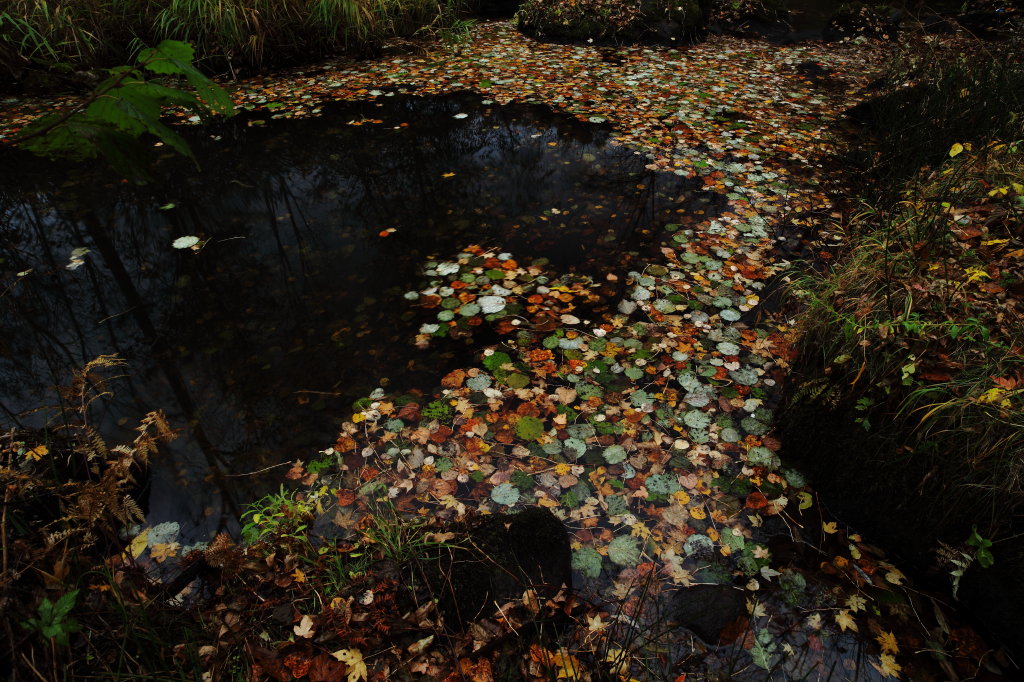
257	344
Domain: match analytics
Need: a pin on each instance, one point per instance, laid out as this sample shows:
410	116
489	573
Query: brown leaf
323	668
269	663
454	379
410	412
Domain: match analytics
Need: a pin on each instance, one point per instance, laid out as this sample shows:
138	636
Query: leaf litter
643	423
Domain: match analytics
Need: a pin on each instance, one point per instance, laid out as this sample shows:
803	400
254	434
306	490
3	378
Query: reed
226	33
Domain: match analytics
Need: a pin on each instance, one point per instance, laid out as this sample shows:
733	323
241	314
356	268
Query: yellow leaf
619	660
992	395
698	513
856	603
976	273
830	527
956	149
805	500
161	551
37	453
845	621
299	576
894	576
354	660
993	242
138	544
569	667
887	641
888	666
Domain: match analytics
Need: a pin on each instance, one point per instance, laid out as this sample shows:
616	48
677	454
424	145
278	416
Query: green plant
125	107
284	514
982	551
53	621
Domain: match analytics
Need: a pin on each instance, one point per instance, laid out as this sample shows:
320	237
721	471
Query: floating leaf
529	428
624	550
496	360
185	242
613	454
505	493
587	561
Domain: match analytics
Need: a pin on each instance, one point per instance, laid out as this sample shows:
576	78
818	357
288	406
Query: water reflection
258	343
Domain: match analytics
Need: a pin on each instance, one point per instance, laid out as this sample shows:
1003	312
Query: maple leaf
887	641
305	627
353	658
845	621
161	551
887	666
856	603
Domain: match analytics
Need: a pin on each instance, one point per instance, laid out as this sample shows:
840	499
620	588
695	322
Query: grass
918	332
227	34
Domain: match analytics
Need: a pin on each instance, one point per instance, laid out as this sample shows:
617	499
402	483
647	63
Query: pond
257	341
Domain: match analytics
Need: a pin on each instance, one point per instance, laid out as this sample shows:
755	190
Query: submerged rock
661	21
707	610
495	559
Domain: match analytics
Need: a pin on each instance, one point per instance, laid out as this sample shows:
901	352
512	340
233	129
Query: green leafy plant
125	107
286	513
53	621
982	552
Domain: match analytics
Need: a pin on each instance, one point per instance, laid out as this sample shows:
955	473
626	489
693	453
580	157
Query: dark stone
706	610
494	559
667	22
494	9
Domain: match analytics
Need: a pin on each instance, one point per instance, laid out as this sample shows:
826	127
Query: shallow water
256	344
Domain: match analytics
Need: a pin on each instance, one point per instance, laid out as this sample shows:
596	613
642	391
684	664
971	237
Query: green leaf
517	380
522	480
587	561
613	454
505	493
65	604
624	550
529	428
496	360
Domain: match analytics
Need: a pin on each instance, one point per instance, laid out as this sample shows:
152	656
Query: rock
494	9
495	559
659	21
706	610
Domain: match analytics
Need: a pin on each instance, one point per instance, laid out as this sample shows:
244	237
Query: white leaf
185	242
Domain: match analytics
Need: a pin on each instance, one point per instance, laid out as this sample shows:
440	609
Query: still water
256	344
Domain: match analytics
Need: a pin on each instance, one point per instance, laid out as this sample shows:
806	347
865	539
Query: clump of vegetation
607	21
74	602
917	336
62	36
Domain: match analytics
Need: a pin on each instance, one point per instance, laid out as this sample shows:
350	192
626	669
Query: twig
258	471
